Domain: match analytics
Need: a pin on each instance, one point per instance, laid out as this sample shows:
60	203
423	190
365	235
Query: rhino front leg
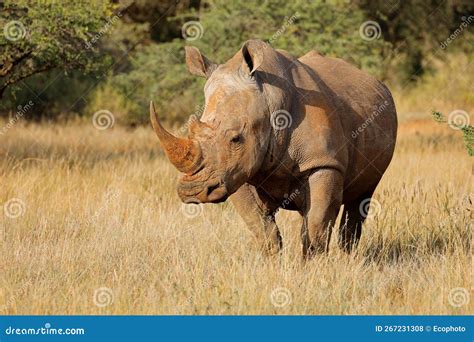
323	201
259	215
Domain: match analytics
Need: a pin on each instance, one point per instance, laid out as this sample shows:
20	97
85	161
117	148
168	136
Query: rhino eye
236	139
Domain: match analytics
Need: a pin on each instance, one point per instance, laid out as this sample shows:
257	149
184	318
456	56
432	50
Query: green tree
466	130
415	29
158	71
158	15
38	36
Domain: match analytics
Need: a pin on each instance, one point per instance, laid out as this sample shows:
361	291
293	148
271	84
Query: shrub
159	71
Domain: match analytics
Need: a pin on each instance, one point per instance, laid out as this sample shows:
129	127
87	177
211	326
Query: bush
159	71
39	37
108	97
56	94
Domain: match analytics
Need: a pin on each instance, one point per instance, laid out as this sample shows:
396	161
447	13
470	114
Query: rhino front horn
184	153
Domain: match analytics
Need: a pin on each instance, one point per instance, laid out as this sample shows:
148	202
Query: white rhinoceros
308	134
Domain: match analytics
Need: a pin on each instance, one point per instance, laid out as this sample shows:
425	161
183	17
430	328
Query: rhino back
362	115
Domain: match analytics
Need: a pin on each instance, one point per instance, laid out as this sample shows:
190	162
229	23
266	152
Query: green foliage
416	30
55	94
468	135
159	71
438	116
43	35
74	58
298	27
108	97
466	130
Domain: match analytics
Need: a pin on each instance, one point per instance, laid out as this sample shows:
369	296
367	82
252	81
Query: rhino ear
198	64
252	52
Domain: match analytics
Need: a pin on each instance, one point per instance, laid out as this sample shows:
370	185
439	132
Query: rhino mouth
200	192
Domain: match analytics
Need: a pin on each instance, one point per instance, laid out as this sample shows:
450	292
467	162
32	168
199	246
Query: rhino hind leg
353	216
259	216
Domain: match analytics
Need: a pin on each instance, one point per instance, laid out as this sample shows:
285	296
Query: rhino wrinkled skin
307	134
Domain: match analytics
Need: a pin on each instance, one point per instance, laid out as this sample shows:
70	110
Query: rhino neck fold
277	150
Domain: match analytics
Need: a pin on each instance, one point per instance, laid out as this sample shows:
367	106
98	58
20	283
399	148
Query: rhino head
227	146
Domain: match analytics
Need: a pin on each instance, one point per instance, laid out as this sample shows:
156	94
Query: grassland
91	224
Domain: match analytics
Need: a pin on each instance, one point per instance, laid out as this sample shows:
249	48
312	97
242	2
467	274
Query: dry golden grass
100	210
446	88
